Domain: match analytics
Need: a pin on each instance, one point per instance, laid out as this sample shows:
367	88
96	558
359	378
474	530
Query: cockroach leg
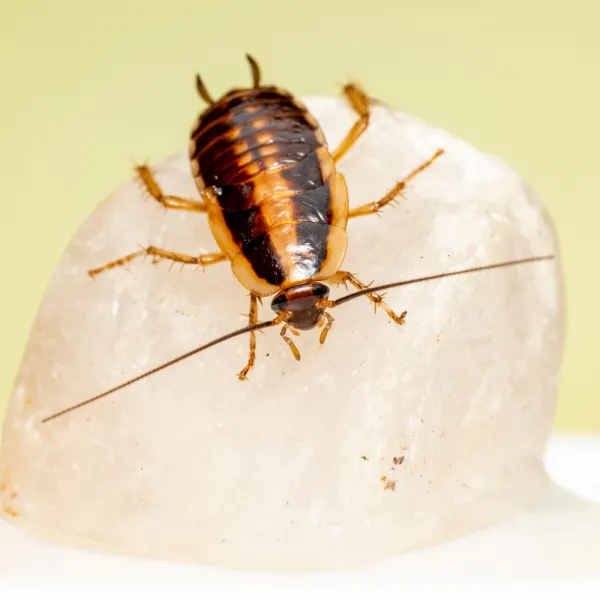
289	342
159	254
173	202
327	327
359	102
392	196
252	320
344	277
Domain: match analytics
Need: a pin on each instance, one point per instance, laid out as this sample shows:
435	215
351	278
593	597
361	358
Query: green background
88	87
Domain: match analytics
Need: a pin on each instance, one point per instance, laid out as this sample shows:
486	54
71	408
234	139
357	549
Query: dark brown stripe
264	260
311	244
246	225
235	199
313	206
304	175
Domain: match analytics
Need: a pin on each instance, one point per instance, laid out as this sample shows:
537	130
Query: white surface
268	473
555	548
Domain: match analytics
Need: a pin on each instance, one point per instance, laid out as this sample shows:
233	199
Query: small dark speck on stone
364	458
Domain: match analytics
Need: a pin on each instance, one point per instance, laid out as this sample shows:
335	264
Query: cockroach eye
279	303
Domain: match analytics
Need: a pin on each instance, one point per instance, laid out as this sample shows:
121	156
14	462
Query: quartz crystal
385	439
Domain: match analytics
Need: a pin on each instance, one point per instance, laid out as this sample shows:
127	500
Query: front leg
159	254
345	277
252	320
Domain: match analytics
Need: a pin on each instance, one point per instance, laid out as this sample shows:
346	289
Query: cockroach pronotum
277	208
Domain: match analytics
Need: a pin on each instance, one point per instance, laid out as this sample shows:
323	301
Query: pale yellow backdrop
88	86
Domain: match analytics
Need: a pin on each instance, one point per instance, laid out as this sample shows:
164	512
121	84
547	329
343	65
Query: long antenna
223	338
271	323
387	286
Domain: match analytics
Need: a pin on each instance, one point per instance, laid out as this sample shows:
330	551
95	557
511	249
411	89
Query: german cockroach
277	208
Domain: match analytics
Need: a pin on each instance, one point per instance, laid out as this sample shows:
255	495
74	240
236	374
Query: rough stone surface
287	470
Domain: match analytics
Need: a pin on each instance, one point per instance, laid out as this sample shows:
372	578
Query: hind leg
252	320
168	201
360	104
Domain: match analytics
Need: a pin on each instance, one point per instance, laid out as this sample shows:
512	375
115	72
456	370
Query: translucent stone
385	439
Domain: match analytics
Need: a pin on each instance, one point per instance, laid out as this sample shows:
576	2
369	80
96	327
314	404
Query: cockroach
278	210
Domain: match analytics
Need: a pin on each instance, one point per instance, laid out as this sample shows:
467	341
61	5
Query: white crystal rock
385	439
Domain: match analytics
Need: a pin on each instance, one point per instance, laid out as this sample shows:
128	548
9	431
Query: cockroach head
304	304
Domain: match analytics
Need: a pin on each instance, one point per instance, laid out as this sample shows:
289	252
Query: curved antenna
203	91
214	342
255	71
387	286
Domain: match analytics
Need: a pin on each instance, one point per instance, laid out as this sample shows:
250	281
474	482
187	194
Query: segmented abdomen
279	208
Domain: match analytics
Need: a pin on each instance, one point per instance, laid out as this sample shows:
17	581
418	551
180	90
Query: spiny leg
344	277
252	320
326	317
168	201
375	207
159	254
360	104
289	342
